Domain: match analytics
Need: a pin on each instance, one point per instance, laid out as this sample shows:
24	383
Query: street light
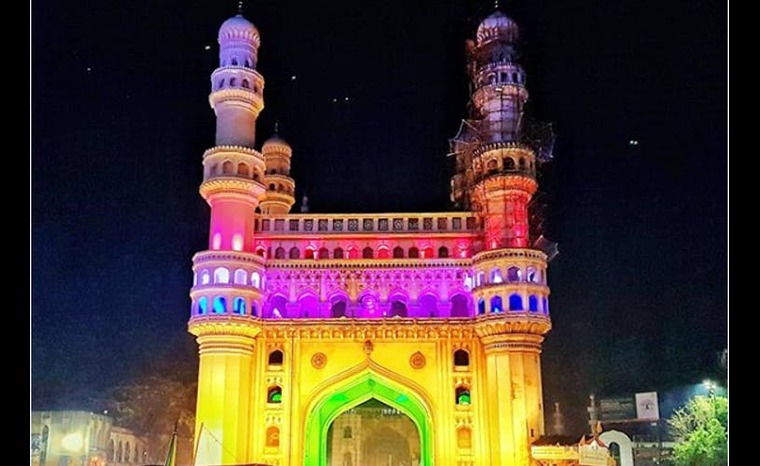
710	386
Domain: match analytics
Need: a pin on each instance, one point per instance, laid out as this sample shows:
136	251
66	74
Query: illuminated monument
371	339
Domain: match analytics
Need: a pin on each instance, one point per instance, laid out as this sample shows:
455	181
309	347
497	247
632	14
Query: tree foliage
151	405
701	432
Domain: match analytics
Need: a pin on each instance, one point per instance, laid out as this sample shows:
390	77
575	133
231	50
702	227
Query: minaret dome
497	26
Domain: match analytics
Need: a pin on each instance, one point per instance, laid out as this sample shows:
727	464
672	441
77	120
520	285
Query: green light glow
353	393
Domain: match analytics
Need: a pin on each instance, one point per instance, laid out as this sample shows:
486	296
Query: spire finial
276	126
240	7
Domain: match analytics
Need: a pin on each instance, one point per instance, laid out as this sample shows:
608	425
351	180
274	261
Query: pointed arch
354	387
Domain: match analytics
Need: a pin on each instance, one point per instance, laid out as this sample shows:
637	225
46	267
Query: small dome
497	26
238	27
275	140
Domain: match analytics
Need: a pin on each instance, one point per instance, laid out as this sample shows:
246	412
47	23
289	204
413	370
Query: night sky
120	119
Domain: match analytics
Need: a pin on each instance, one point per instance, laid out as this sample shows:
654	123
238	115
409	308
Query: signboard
617	409
593	455
647	407
553	452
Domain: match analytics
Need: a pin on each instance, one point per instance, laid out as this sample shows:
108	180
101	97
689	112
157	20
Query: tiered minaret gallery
370	338
499	180
228	274
279	196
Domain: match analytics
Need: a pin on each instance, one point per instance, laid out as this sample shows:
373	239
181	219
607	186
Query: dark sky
121	118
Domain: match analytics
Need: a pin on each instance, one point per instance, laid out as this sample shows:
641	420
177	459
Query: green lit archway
356	391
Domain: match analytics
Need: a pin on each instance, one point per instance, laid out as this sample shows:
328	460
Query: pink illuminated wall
232	221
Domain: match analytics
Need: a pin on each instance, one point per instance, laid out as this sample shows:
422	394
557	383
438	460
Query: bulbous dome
238	28
274	141
497	26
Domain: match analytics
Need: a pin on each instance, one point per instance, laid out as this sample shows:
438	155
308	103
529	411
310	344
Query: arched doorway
341	398
373	433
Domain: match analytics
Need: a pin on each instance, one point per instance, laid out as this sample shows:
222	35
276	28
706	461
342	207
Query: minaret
280	187
226	290
496	177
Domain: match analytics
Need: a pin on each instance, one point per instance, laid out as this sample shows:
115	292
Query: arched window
254	310
238	306
256	280
461	358
274	395
294	253
338	309
324	253
427	252
464	438
515	302
509	163
414	253
233	81
256	176
234	62
398	252
240	277
463	395
308	253
243	170
120	452
347	432
338	253
353	253
127	453
227	168
220	84
428	306
459	307
367	253
271	186
247	63
492	166
205	277
496	305
514	275
277	306
383	253
514	77
203	305
279	253
495	276
546	306
273	437
221	275
280	187
533	275
481	306
398	308
245	84
532	303
479	278
220	305
111	453
522	162
275	358
308	306
443	252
